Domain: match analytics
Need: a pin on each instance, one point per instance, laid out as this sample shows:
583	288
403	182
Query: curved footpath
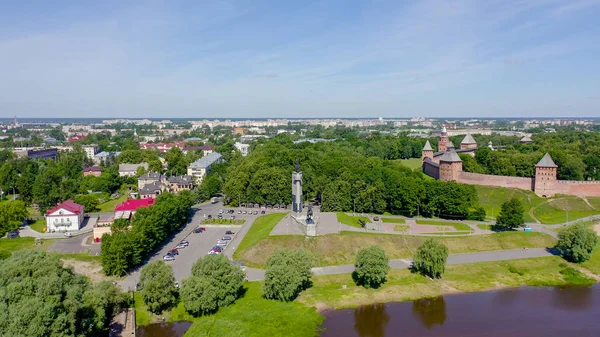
497	255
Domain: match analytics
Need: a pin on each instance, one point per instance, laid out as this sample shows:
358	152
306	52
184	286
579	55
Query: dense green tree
288	273
210	186
577	243
511	214
89	202
215	283
12	214
430	258
158	286
176	161
41	298
371	267
47	188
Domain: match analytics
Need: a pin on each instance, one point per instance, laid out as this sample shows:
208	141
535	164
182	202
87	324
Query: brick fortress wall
492	180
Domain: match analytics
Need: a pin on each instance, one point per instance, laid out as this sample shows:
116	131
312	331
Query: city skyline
222	59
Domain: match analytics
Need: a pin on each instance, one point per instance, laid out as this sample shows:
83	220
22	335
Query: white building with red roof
66	216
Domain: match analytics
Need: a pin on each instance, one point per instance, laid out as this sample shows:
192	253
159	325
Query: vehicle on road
222	242
226	237
240	264
168	258
244	212
214	200
212	252
209	216
255	213
229	233
198	230
220	211
180	246
239	212
220	216
173	252
184	242
217	248
262	212
233	217
69	235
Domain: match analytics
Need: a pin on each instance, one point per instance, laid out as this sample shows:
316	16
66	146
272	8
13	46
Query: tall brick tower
427	151
545	176
443	143
450	166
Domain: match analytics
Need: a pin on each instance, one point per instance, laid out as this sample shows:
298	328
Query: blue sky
254	58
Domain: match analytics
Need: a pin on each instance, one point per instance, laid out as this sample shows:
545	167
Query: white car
212	252
168	258
184	242
222	243
180	246
68	235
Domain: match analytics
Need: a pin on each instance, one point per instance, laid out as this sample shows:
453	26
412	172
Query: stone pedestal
308	228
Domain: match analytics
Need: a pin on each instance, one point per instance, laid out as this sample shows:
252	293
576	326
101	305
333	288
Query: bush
511	214
577	243
215	283
158	286
288	273
371	267
430	258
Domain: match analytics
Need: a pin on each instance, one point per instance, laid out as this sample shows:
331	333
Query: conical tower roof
468	140
450	157
427	147
450	145
546	161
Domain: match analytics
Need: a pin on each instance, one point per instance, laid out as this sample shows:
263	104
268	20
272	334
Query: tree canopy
158	286
288	273
511	214
577	243
430	258
371	267
12	214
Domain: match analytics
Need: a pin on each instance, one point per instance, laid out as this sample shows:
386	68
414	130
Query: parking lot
199	243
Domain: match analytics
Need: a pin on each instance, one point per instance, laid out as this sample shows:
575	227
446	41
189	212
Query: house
149	177
152	184
43	153
124	210
129	170
152	190
92	171
66	216
90	150
243	148
180	183
200	167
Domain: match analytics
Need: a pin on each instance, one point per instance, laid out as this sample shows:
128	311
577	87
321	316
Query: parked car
240	264
226	237
262	212
198	230
13	234
217	248
221	211
222	242
220	216
229	233
212	252
239	212
255	213
180	246
209	216
244	212
168	258
173	252
184	242
68	234
233	217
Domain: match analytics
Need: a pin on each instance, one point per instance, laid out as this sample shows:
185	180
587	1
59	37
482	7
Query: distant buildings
152	184
103	156
92	171
90	150
129	170
200	167
243	148
43	153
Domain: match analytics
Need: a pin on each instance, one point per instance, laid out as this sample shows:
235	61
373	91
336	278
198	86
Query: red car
173	251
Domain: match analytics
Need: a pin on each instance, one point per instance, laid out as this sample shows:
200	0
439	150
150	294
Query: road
498	255
200	243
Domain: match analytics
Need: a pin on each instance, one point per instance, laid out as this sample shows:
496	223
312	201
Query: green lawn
38	225
554	211
142	315
412	163
351	220
339	291
260	230
491	199
109	206
485	227
593	264
448	233
459	226
336	249
223	221
254	316
393	220
33	212
8	246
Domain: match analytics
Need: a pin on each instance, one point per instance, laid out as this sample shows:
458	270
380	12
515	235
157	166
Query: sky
302	59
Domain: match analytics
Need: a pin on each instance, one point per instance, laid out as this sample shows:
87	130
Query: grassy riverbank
351	220
339	291
336	249
260	230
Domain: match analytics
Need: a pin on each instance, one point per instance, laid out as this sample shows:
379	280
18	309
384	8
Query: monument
305	223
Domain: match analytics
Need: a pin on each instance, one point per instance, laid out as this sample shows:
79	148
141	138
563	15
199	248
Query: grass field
485	227
341	248
412	163
491	199
402	285
351	220
38	225
593	264
393	220
109	206
448	233
260	230
459	226
554	211
223	221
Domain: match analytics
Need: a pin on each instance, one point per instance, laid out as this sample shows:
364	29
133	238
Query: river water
526	312
174	329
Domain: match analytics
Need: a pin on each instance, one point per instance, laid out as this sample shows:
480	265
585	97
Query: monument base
309	228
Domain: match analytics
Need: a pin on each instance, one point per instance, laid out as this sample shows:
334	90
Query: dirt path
588	203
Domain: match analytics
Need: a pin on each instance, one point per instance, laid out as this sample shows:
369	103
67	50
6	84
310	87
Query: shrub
371	267
288	273
577	243
430	258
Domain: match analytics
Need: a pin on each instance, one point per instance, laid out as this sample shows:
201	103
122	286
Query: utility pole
354	209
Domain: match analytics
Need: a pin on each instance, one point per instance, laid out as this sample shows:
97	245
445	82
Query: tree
89	202
371	267
12	214
288	273
158	286
210	186
430	258
176	161
215	283
511	214
42	298
577	243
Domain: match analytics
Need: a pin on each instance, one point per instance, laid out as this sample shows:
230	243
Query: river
526	312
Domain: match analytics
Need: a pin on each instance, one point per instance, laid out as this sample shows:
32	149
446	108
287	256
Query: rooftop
134	204
450	157
92	169
69	205
207	160
468	140
546	161
427	146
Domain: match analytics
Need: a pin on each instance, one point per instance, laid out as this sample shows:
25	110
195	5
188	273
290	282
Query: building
152	184
526	140
153	190
104	156
243	148
468	143
148	178
124	210
206	149
240	131
92	171
90	150
66	216
201	167
43	153
180	183
129	170
443	143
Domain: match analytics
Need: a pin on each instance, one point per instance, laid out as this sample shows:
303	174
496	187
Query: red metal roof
134	204
92	169
69	205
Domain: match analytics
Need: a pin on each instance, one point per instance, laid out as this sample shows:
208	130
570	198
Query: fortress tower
450	146
443	143
450	166
427	151
545	176
468	143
